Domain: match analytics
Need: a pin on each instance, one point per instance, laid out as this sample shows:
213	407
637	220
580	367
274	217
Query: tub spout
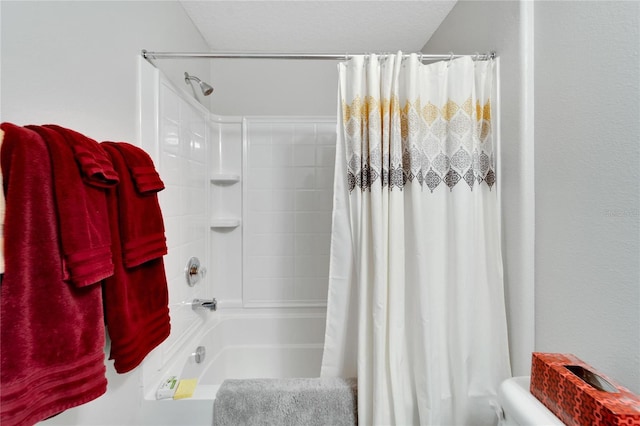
211	305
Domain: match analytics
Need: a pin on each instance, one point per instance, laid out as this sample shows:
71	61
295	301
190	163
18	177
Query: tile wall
288	192
181	159
226	210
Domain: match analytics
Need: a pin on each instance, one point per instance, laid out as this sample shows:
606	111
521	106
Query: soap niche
226	176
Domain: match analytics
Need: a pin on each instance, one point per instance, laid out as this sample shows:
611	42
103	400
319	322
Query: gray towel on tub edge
287	402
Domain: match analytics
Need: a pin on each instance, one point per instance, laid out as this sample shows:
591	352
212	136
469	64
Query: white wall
75	64
274	87
587	75
504	27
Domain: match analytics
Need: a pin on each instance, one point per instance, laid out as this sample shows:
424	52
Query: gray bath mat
286	402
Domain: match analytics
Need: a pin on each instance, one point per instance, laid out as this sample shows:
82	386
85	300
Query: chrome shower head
206	89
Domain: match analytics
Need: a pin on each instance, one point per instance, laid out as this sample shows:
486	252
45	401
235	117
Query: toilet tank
520	407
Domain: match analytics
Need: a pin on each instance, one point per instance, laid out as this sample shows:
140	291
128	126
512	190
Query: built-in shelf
225	178
225	222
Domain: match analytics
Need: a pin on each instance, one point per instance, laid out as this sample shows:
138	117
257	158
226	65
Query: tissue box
580	395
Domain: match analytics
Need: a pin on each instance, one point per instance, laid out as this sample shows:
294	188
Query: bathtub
239	345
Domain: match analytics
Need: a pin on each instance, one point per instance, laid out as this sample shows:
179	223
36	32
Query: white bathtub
240	345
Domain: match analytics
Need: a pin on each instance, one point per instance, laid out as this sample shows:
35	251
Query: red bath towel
51	333
136	297
142	235
82	214
94	162
145	177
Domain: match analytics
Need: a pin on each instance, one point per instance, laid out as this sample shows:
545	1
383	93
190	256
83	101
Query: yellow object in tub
186	387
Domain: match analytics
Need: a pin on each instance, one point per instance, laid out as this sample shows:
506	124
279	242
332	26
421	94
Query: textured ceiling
317	26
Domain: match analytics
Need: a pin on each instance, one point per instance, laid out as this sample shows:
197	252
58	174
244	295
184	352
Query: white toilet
520	407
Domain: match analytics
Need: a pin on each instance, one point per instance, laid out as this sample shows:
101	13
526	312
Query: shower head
206	89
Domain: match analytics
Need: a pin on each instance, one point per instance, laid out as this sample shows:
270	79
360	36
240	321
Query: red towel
142	236
95	164
143	172
136	297
82	214
51	333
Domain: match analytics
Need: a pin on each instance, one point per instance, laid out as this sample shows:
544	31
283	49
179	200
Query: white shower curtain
416	307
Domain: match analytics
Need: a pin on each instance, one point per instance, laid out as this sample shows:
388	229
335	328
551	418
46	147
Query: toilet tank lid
522	406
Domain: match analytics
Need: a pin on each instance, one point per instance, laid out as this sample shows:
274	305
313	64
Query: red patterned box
580	395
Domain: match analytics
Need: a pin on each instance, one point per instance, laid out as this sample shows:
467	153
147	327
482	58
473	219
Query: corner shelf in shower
225	222
227	179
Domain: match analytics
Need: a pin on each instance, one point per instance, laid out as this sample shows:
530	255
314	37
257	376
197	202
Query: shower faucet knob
194	272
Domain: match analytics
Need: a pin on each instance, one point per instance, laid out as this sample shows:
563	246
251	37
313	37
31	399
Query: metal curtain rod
321	56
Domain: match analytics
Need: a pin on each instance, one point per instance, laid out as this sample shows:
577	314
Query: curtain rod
319	56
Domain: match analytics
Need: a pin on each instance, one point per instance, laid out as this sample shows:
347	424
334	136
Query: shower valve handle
194	272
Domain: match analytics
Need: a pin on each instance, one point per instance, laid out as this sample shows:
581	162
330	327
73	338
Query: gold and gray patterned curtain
396	135
415	306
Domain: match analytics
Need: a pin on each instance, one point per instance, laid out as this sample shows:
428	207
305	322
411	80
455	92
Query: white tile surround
180	155
251	197
271	228
226	206
288	193
183	163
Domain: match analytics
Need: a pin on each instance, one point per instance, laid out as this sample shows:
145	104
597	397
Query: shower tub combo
251	198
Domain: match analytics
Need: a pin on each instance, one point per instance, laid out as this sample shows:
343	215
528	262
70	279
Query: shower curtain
416	307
